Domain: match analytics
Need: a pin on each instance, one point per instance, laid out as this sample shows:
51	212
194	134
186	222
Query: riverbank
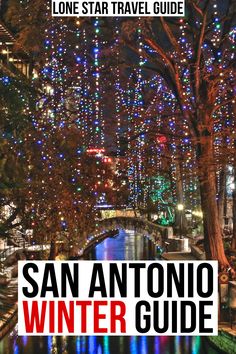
225	342
8	306
133	247
8	293
10	321
95	241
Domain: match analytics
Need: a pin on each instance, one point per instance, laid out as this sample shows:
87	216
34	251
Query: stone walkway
8	293
229	330
178	256
8	302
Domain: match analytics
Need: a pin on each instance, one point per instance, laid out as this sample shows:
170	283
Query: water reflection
106	345
128	246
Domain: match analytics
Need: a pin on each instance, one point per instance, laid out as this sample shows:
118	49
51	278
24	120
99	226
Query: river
129	246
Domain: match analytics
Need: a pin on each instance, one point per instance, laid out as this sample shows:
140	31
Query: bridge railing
139	224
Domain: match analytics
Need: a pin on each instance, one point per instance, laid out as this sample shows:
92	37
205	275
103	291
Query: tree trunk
221	196
213	241
53	250
180	198
234	212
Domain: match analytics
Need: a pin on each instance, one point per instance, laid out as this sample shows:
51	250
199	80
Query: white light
198	213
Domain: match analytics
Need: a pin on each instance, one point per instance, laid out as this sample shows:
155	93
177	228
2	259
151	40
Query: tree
62	182
28	20
17	100
62	187
234	204
194	58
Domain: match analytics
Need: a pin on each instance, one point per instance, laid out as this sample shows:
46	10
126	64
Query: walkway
178	256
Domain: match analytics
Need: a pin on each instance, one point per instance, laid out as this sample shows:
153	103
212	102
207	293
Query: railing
19	243
10	69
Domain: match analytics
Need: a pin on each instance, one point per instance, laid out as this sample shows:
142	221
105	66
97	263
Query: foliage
16	102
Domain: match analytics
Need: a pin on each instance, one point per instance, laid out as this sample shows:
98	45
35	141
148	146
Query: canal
129	246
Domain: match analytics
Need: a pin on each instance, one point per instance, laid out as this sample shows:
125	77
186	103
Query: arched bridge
140	225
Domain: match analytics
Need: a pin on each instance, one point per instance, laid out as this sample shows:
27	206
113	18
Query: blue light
16	348
157	345
144	348
92	344
78	345
25	340
49	344
133	345
106	345
83	349
5	80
